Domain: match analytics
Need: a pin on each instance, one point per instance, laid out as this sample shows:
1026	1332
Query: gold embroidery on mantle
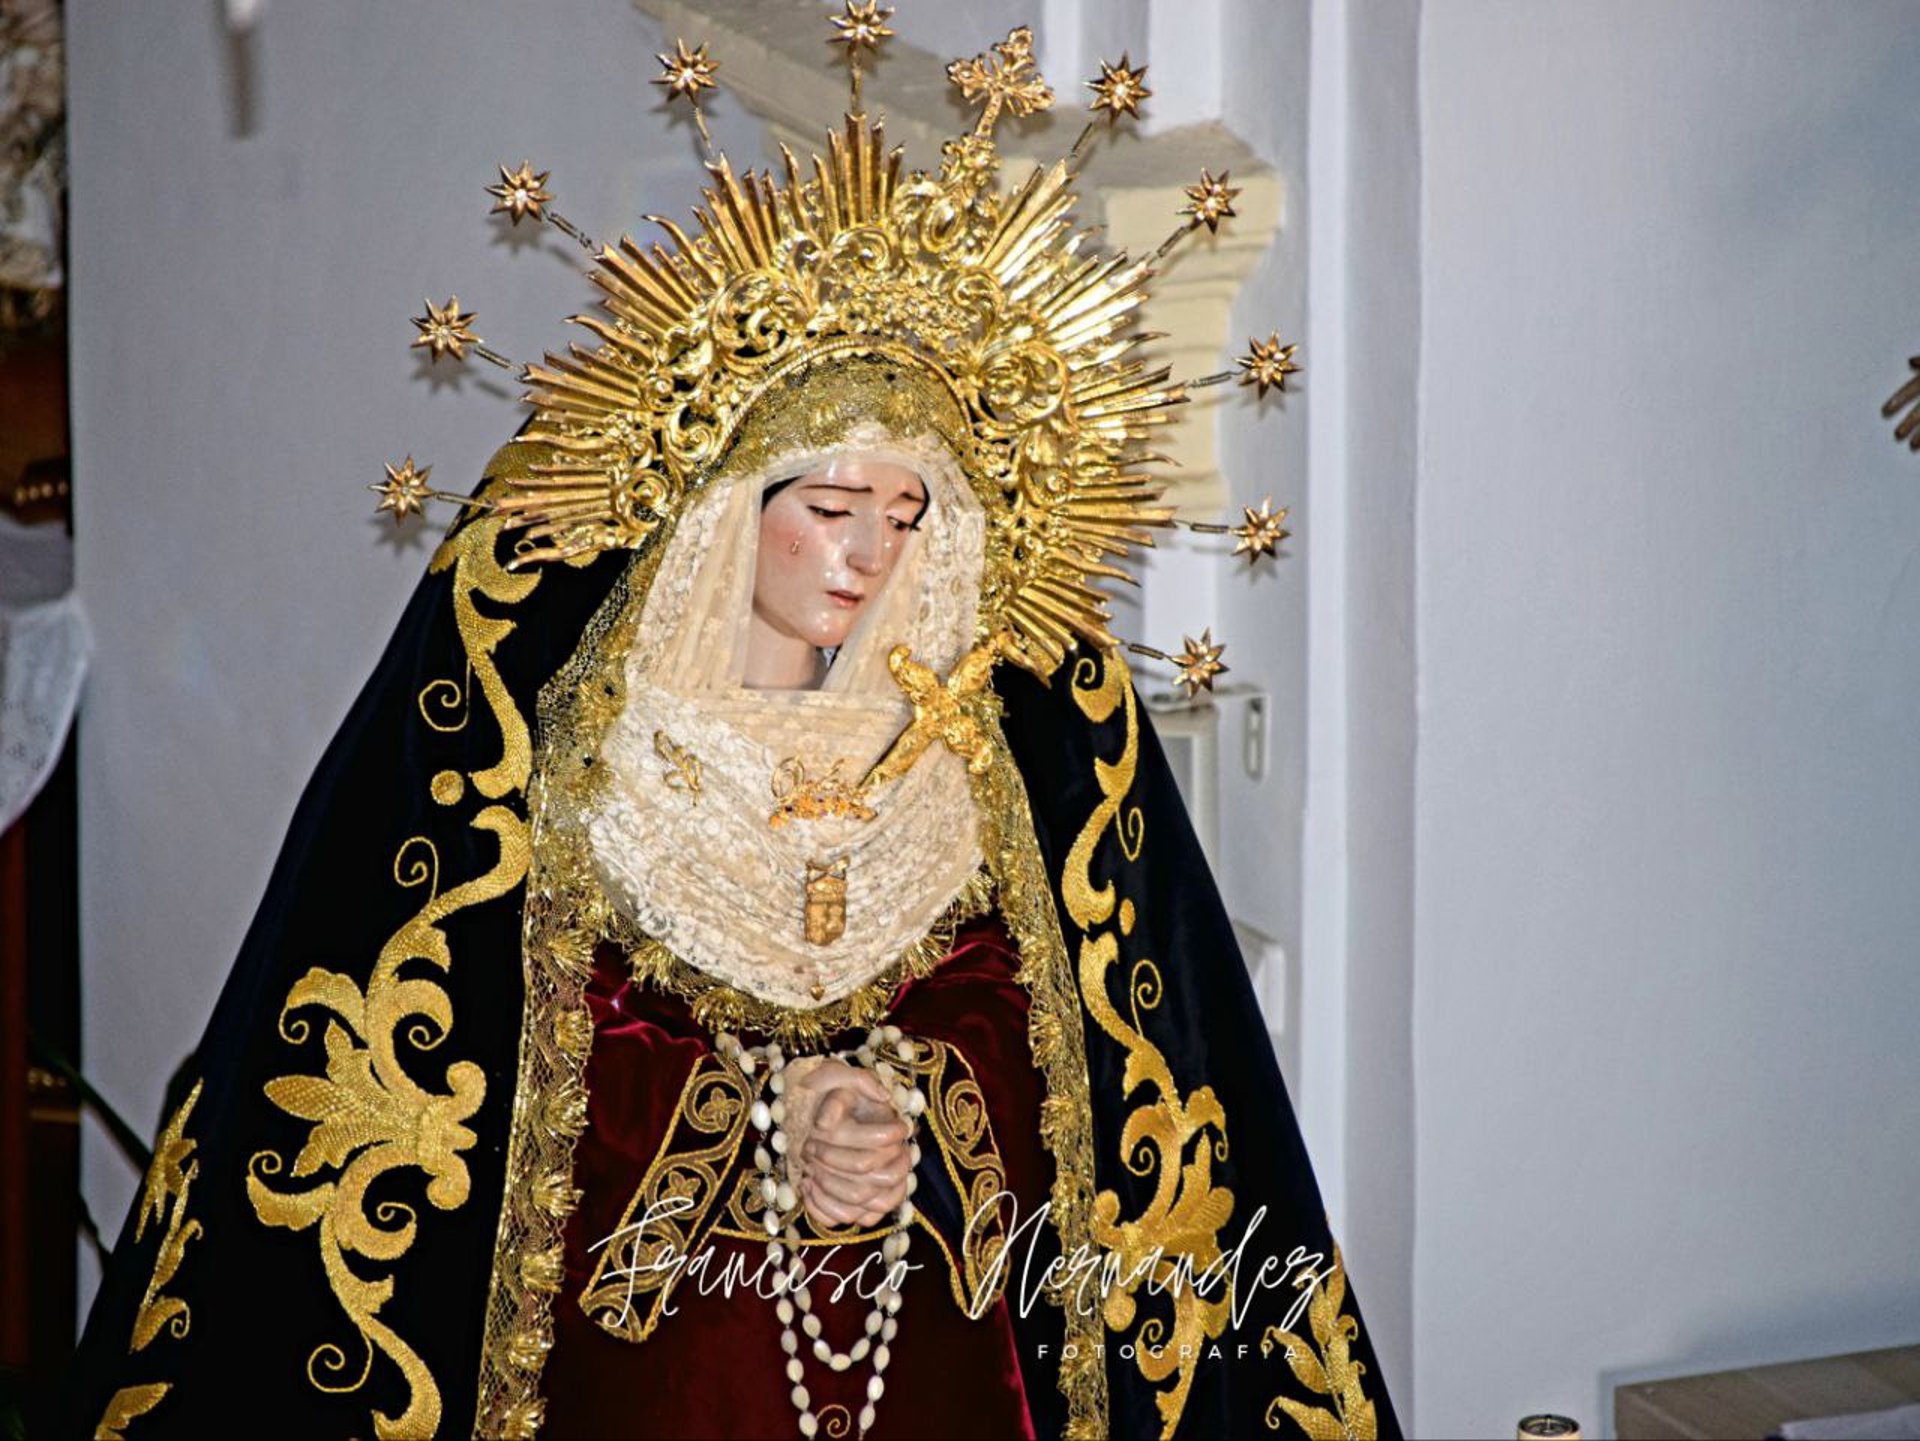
370	1117
164	1194
702	1141
1326	1368
129	1403
1174	1138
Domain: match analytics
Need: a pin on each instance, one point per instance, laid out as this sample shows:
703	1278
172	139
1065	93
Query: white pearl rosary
877	1052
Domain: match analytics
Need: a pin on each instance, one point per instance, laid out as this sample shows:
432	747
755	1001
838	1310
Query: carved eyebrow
917	499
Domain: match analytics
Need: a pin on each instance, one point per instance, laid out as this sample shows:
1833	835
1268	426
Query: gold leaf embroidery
1173	1138
369	1117
1326	1367
126	1404
165	1194
169	1177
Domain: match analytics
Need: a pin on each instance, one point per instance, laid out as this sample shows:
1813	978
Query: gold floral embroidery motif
1326	1368
164	1195
370	1117
1174	1138
668	1212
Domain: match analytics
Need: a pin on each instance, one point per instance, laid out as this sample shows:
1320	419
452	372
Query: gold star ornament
1199	663
1267	363
861	27
1261	532
1119	90
520	194
445	330
404	492
687	72
1212	200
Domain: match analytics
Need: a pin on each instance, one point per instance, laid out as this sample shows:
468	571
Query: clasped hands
847	1153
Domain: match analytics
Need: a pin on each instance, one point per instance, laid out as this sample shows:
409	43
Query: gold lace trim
1057	1038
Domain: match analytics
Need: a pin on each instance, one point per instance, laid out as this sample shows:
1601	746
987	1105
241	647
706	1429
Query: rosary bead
796	1370
881	1357
761	1116
876	1387
783	1308
809	1423
839	1361
859	1349
801	1399
784	1196
889	1330
866	1417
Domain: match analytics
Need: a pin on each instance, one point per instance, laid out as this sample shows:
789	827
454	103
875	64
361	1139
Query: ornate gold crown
989	303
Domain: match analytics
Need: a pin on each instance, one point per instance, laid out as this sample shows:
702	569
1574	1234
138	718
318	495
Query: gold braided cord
966	292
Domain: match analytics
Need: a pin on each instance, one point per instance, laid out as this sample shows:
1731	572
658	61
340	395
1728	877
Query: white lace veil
683	837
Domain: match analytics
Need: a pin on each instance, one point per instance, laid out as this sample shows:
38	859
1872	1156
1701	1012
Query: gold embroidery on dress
163	1195
667	1215
370	1117
1327	1367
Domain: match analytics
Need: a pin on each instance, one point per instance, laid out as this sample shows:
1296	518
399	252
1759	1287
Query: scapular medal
826	910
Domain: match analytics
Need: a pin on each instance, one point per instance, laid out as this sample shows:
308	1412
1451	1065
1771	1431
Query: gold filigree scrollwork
469	552
1326	1367
668	1212
1173	1138
163	1200
370	1118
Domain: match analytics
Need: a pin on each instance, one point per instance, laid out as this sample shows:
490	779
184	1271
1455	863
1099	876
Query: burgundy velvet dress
714	1367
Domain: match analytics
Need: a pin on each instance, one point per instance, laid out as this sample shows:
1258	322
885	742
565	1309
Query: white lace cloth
44	649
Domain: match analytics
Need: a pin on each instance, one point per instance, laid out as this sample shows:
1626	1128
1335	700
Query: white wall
241	371
1668	935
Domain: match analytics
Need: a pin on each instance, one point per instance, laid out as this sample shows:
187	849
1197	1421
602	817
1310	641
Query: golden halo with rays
990	295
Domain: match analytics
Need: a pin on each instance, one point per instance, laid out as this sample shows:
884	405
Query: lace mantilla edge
719	1006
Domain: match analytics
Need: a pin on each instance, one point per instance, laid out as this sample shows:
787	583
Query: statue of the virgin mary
743	967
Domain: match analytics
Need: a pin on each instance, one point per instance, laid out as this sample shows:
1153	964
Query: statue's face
828	542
